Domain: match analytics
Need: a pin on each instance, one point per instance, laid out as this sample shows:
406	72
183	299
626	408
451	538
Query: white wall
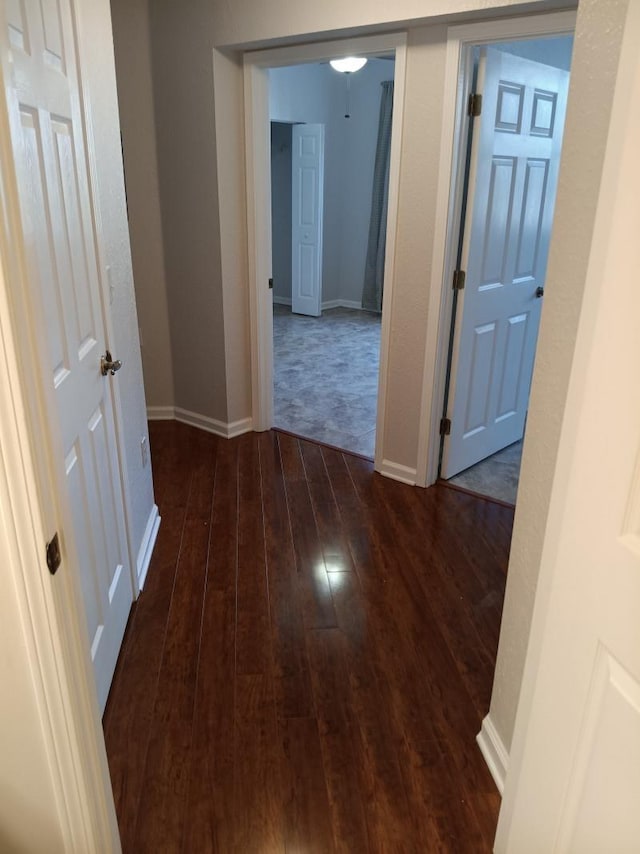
316	93
593	73
29	809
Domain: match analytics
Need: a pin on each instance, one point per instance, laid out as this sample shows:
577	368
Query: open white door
512	189
573	783
307	164
47	130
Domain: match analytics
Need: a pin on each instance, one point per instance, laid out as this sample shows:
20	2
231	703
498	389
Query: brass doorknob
109	365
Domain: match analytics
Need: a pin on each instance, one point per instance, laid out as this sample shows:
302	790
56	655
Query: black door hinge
474	108
445	426
270	284
459	277
54	558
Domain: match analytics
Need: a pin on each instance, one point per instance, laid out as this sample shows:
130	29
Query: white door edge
84	53
258	196
460	40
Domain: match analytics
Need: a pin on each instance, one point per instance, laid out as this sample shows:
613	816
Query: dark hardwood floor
311	658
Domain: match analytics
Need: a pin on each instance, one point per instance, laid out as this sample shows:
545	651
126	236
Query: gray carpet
326	376
497	476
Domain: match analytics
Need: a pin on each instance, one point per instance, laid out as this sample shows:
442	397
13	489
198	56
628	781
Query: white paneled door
512	188
59	227
307	164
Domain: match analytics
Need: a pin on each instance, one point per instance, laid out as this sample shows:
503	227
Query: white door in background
65	290
512	188
307	164
573	783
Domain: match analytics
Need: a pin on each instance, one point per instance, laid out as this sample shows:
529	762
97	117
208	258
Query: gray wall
552	51
186	151
137	116
281	208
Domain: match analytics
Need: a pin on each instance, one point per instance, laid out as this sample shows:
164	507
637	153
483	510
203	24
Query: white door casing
512	188
307	164
65	291
574	775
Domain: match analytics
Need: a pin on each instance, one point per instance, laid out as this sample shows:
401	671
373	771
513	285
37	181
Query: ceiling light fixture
349	64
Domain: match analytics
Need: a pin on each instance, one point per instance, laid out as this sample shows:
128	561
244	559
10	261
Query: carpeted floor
326	376
497	476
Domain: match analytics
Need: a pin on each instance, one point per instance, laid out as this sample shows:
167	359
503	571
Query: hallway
311	658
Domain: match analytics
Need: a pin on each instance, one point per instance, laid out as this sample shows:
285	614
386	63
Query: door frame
258	195
453	152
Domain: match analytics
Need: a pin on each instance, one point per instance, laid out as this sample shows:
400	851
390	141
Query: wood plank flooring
310	660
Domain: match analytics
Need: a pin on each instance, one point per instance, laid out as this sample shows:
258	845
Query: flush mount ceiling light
348	64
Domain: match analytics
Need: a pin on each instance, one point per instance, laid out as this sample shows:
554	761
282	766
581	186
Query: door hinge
459	277
474	107
54	558
270	284
445	426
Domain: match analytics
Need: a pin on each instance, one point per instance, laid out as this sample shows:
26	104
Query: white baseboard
332	303
161	413
212	425
203	422
237	428
397	472
146	548
494	752
341	303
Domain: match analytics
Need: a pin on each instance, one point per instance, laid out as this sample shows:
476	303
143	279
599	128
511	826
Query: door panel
64	280
512	366
495	245
484	345
528	254
515	157
307	211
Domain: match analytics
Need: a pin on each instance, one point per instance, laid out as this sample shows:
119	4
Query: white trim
332	303
237	428
448	207
147	546
258	195
212	425
494	752
202	422
395	471
161	413
342	303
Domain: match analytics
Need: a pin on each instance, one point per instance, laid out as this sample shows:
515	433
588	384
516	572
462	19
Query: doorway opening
508	191
258	66
330	155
